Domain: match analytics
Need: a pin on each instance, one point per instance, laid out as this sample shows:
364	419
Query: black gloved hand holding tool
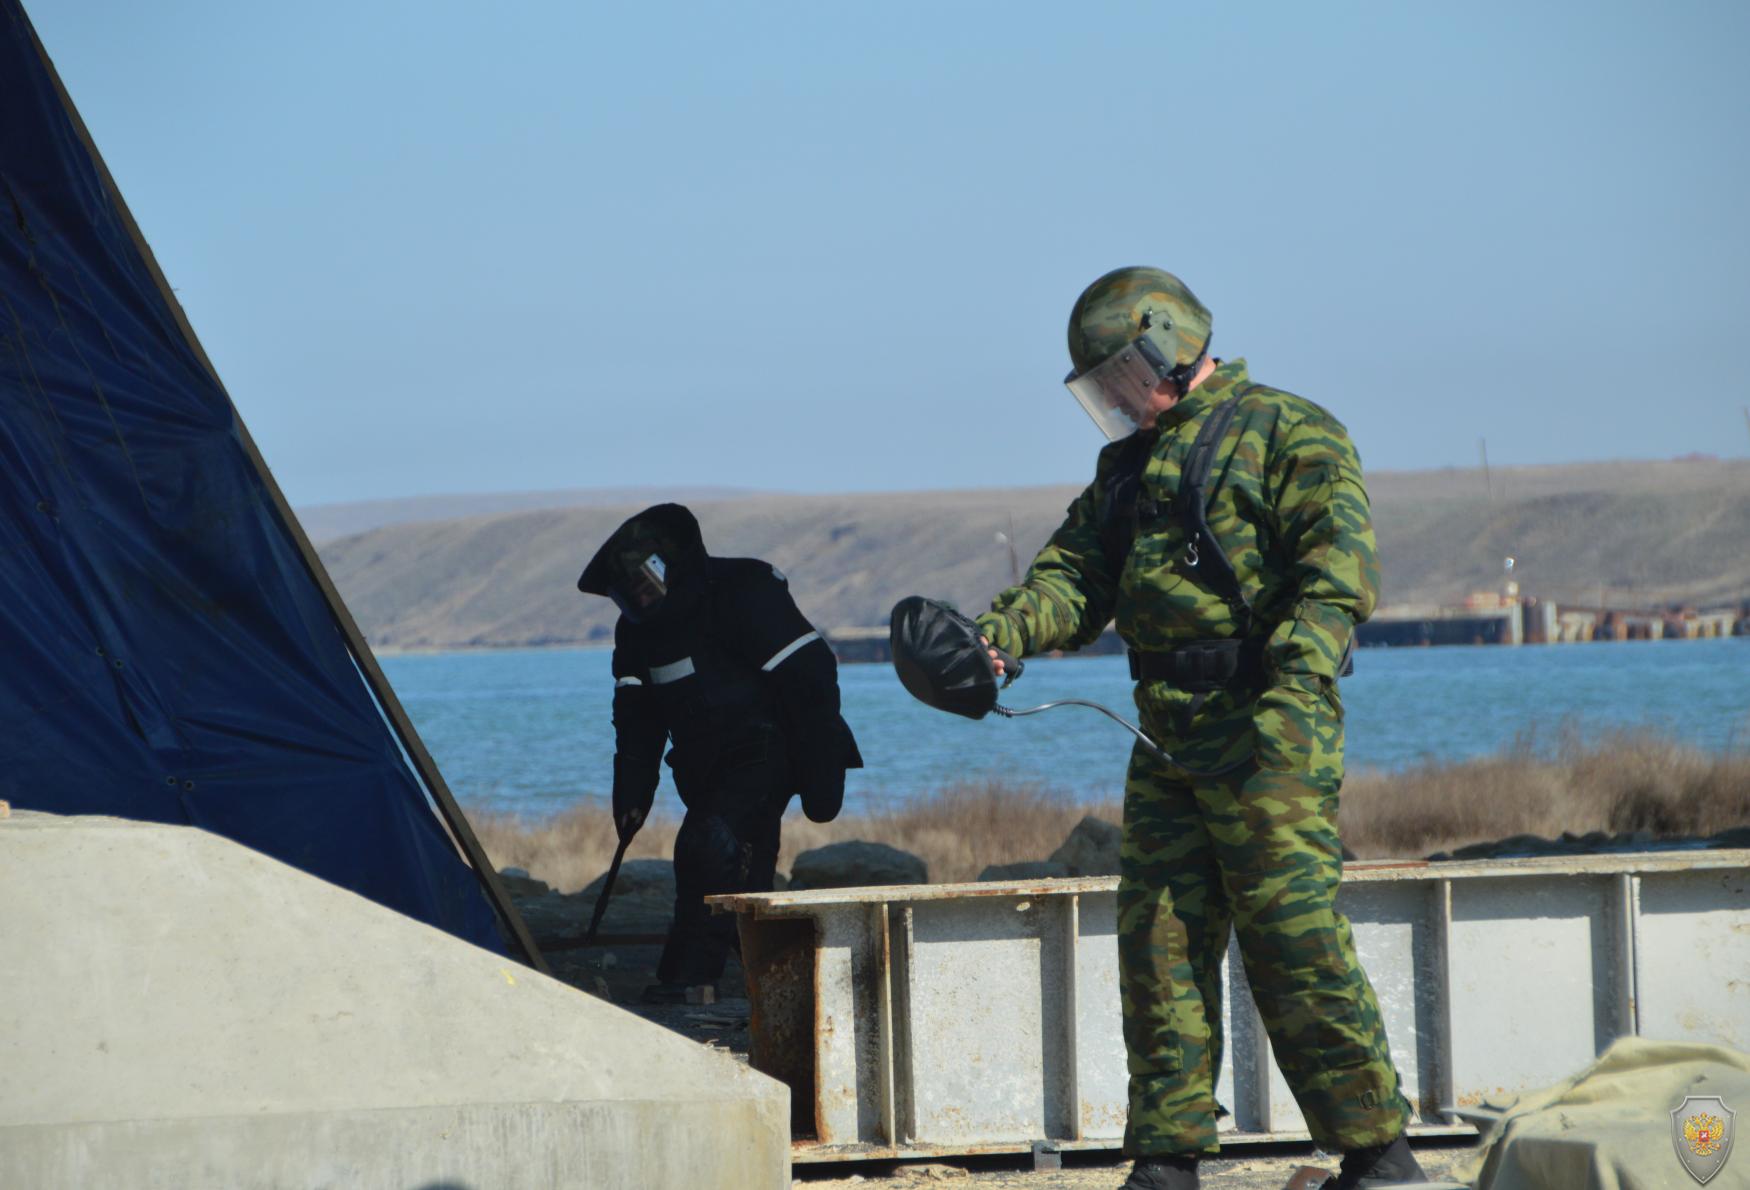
944	662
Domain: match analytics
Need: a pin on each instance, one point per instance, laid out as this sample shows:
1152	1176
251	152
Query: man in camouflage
1242	833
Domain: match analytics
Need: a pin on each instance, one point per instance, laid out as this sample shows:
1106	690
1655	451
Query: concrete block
180	1011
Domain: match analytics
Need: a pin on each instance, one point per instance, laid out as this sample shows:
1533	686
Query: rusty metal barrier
930	1020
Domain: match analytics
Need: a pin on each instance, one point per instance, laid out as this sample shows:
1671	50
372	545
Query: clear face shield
641	584
1118	391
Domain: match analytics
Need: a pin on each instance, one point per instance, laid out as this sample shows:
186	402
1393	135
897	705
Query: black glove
823	792
634	792
627	820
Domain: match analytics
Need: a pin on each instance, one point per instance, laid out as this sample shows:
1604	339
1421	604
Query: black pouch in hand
938	657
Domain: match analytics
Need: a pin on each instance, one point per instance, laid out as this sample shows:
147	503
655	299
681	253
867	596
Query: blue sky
436	247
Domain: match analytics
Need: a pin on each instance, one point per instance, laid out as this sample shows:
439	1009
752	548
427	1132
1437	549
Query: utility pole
1508	561
1008	539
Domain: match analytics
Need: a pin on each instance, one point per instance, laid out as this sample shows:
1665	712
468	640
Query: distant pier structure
1508	618
860	644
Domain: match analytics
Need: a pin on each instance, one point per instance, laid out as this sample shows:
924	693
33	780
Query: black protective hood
939	659
670	530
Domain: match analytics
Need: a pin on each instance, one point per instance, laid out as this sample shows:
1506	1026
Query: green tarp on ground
1642	1117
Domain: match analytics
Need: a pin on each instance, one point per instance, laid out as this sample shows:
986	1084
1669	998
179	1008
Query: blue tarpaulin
165	651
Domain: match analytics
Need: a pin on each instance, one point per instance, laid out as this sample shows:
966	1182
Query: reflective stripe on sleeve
783	654
662	675
628	682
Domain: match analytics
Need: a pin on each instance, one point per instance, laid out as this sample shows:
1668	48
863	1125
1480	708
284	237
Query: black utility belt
1202	665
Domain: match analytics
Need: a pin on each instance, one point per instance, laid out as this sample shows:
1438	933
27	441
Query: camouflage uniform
1256	849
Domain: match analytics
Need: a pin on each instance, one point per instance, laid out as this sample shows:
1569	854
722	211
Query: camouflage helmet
1131	303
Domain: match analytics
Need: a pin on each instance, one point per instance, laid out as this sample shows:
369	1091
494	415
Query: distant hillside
1631	533
325	522
1627	533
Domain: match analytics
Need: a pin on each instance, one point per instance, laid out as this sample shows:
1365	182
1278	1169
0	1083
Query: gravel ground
1260	1170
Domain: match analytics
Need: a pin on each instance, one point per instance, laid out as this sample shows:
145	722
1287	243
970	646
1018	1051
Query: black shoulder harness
1123	507
1203	552
1127	508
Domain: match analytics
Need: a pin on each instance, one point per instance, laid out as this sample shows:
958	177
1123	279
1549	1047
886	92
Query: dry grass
1617	783
957	831
1620	783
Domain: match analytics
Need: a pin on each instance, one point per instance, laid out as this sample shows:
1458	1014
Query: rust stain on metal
1100	1118
779	960
777	903
806	1152
1601	864
1485	1098
1730	862
820	1035
863	1075
832	1097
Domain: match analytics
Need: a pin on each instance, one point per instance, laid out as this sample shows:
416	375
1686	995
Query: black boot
1162	1173
1379	1166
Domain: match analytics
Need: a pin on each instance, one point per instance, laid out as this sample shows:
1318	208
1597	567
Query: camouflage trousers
1256	851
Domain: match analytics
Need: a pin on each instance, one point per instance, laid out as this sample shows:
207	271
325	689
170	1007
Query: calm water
529	731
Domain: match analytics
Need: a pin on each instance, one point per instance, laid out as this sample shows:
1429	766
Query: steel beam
979	1018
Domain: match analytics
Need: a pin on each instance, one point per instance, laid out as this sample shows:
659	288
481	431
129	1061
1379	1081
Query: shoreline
1091	651
439	650
1610	791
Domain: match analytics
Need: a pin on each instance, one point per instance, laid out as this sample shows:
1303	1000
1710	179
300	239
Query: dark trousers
728	843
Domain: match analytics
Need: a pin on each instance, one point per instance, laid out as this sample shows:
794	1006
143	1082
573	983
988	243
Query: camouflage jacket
1286	501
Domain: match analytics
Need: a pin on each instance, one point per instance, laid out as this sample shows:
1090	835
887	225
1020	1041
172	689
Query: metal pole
601	898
